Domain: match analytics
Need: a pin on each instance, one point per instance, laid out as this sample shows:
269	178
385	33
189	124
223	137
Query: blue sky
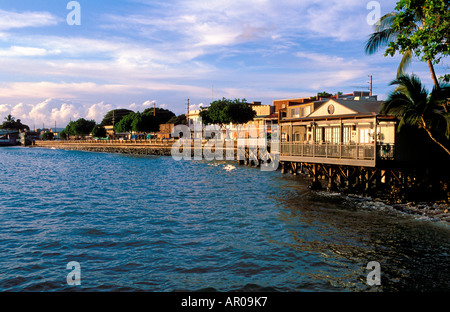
133	53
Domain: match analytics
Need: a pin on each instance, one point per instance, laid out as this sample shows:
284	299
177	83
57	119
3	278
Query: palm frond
379	39
439	123
411	86
440	96
404	63
410	118
385	21
395	104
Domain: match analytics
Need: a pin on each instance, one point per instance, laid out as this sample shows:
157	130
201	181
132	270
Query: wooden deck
365	155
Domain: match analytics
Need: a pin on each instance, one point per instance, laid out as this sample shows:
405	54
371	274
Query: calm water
154	224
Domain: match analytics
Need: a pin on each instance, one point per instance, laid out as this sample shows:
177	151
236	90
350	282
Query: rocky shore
435	212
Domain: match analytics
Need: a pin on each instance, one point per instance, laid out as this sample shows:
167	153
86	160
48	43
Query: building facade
338	132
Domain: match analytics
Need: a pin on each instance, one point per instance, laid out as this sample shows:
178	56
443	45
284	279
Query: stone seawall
133	149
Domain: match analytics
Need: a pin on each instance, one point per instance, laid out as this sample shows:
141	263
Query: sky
138	53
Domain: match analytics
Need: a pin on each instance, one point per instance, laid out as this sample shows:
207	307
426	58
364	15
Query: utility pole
371	85
154	108
187	114
113	122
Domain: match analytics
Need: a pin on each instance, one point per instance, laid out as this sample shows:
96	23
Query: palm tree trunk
431	136
435	80
433	73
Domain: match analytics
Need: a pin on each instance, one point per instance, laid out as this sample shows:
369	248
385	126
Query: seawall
163	149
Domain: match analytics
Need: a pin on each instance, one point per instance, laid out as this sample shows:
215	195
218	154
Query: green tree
324	94
147	122
163	115
82	127
99	131
178	120
69	130
116	115
11	123
227	111
125	124
150	119
64	135
48	136
417	27
412	104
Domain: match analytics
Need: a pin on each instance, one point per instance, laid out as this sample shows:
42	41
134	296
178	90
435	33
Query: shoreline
431	211
435	212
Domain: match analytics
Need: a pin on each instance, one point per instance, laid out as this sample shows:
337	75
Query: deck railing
340	151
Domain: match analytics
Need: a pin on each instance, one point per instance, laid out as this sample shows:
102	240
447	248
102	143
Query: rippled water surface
155	224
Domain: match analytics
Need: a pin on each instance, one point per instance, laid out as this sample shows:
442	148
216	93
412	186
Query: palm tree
385	33
412	104
9	118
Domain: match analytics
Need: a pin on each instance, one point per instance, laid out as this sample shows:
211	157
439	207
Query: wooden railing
340	151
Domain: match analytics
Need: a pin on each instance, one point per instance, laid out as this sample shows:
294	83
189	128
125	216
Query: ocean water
158	225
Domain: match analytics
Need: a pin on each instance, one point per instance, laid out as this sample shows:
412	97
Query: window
307	110
336	135
364	136
299	133
331	109
347	135
328	135
333	135
320	133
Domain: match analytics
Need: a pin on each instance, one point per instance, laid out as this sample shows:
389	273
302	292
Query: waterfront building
165	131
346	142
338	131
194	117
264	117
262	112
301	107
9	137
110	131
261	122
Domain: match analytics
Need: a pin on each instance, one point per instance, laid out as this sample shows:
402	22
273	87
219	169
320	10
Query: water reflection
413	254
154	224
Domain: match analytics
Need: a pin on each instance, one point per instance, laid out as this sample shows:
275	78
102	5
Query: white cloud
17	51
98	111
45	112
148	103
326	61
145	105
193	107
63	110
10	20
47	89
